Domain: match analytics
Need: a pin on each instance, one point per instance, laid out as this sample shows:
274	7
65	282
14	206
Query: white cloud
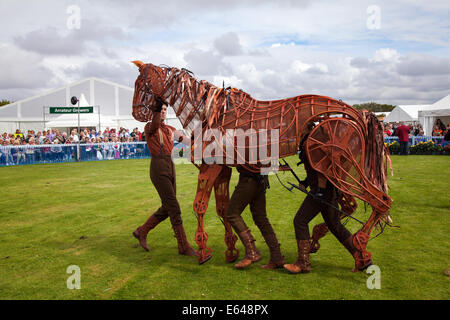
386	54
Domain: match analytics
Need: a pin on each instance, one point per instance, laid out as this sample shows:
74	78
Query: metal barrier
31	154
413	140
57	153
113	151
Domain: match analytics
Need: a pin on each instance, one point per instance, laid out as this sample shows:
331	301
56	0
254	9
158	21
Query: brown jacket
158	136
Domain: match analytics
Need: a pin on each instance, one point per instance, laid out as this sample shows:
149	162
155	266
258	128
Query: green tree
374	107
4	102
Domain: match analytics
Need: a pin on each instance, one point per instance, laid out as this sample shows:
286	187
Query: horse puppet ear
138	63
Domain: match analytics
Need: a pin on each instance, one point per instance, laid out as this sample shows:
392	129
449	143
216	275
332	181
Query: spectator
437	131
46	154
74	136
440	125
125	148
56	149
17	153
60	137
416	130
5	153
403	137
107	150
51	135
116	148
89	150
133	133
82	136
29	151
18	134
43	137
38	138
447	136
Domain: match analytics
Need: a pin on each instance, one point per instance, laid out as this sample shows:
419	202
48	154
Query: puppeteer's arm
151	127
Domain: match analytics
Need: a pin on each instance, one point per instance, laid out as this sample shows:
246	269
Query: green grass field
54	216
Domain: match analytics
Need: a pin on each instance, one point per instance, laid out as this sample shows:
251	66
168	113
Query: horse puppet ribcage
346	145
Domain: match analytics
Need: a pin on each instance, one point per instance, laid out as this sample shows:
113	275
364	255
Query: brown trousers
248	191
310	208
162	175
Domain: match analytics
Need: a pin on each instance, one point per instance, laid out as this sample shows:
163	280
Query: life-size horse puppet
346	145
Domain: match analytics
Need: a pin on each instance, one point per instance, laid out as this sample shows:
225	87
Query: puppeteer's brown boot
251	253
183	245
276	258
302	265
141	232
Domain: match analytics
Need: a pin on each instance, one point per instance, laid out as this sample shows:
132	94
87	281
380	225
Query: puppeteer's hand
180	137
159	104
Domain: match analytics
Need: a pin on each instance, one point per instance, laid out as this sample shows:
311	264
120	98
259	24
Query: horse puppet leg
206	180
363	258
222	194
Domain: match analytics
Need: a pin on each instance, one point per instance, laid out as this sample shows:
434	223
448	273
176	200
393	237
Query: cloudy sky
395	52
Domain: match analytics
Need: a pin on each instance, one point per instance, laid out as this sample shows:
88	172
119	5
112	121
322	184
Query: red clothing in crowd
403	133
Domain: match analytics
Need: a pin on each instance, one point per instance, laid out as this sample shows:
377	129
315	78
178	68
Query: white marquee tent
114	102
405	113
438	110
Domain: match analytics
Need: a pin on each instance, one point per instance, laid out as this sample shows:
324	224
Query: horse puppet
345	145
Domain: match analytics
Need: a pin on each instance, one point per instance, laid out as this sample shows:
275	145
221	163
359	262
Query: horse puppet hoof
202	259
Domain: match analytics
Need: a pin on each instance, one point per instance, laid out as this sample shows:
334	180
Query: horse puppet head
148	89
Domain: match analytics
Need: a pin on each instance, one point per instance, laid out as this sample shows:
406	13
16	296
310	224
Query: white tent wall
105	97
438	110
405	113
12	126
397	114
427	125
131	124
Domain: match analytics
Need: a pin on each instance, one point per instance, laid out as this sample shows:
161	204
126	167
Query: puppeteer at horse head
159	138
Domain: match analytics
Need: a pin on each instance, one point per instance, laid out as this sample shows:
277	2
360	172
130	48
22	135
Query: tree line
4	102
374	107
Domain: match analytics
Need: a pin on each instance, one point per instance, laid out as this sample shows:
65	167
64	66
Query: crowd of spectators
390	129
403	133
439	129
54	136
57	146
